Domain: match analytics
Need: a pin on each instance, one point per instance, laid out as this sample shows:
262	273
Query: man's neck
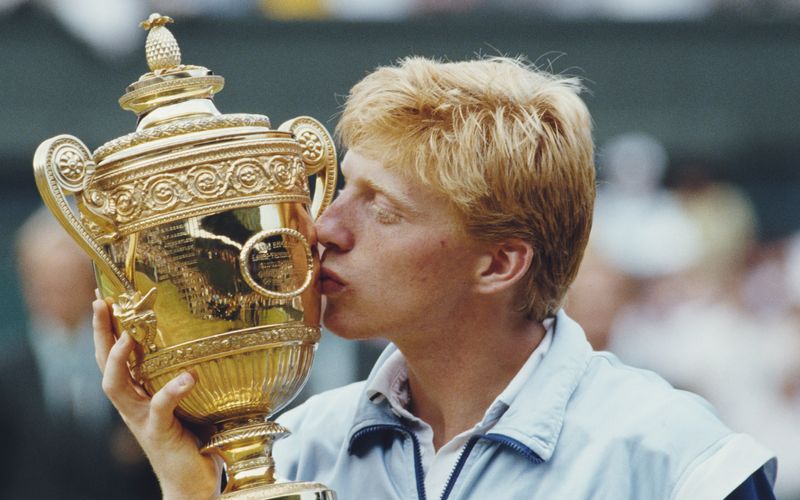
455	376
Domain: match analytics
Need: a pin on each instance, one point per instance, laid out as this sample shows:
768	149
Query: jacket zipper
516	446
420	476
462	458
417	462
498	438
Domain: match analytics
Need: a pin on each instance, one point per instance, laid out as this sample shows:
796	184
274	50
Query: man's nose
332	226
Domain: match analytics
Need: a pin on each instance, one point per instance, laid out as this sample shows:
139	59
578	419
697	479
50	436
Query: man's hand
182	471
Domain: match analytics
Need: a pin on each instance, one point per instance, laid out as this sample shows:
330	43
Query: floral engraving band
142	202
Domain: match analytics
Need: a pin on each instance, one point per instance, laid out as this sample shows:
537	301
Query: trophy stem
246	447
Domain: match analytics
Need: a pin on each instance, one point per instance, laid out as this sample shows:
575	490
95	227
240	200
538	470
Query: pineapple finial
161	48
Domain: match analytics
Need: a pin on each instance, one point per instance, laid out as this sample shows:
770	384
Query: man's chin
344	329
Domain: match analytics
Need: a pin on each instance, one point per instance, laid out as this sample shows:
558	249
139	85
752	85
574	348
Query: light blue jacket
584	426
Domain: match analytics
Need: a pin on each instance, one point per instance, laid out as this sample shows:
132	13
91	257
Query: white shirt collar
390	383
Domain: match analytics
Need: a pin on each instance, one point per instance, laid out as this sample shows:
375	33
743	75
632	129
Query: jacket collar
537	415
532	424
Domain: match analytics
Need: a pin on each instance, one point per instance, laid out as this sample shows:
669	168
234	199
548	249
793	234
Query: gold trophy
200	225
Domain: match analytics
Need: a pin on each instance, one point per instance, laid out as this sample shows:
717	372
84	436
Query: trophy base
283	491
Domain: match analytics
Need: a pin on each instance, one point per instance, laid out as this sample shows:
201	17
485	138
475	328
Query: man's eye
384	215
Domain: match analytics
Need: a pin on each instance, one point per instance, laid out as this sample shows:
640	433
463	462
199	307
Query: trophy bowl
201	229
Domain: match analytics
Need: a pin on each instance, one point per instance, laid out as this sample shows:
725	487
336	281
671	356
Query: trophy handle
319	153
63	165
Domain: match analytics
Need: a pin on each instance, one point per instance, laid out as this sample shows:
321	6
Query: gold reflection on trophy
200	225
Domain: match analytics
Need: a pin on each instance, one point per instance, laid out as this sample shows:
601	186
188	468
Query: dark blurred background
694	265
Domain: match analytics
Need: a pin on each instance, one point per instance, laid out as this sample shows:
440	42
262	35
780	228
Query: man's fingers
103	336
166	400
117	383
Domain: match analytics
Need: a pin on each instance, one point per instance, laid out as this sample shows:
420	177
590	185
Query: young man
467	207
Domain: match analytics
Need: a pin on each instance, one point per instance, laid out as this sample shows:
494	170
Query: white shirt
391	384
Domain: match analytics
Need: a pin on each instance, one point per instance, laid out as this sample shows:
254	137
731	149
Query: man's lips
327	274
330	281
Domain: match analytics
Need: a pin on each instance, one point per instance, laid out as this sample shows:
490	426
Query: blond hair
510	146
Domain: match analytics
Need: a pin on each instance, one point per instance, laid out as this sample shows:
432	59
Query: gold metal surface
161	48
201	229
186	126
139	193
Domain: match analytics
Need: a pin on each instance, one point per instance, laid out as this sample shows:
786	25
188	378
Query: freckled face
396	261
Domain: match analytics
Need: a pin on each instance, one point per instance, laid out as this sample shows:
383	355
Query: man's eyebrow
401	200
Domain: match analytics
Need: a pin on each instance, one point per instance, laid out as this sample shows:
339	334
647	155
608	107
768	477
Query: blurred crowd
676	280
62	437
105	24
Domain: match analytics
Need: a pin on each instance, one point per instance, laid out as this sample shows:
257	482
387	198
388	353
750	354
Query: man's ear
504	265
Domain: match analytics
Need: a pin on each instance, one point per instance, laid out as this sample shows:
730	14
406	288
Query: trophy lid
168	81
173	101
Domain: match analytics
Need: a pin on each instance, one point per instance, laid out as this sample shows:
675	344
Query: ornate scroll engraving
221	345
136	317
144	201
